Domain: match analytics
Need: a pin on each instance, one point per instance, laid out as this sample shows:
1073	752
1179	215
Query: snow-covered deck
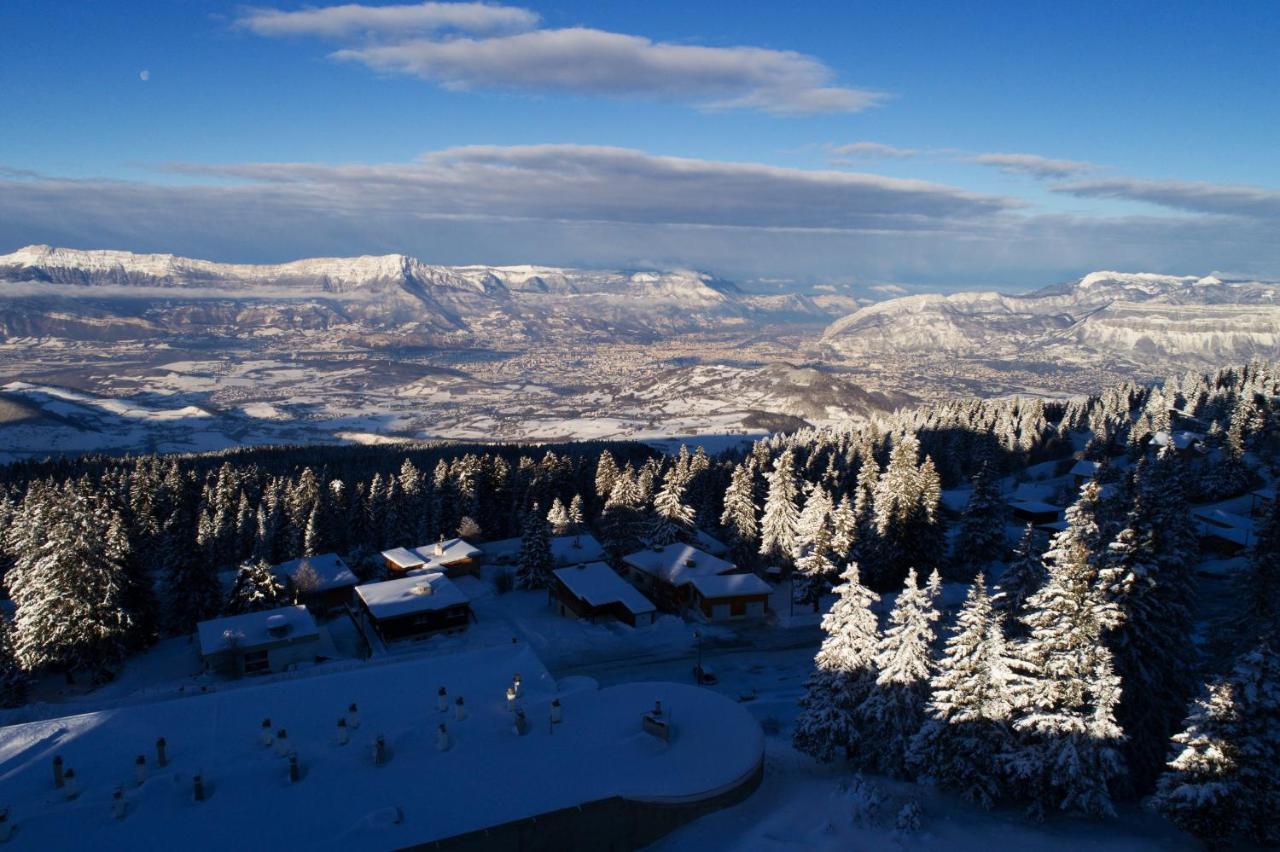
488	776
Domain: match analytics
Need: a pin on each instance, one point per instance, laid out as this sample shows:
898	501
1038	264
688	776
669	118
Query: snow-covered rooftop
331	572
731	585
565	549
598	584
1084	467
488	776
407	595
429	556
677	563
255	628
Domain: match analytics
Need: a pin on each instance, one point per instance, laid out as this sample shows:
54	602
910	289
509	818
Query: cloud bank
479	46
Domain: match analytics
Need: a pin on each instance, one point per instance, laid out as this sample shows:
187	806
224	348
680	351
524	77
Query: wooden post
380	750
57	771
117	802
295	774
282	742
268	738
161	759
70	788
6	826
343	734
353	716
459	710
197	787
140	768
442	700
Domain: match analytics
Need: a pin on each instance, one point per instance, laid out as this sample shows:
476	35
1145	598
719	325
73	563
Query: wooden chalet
453	557
594	591
273	640
323	582
414	606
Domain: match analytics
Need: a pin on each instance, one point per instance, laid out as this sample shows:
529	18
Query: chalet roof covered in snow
565	549
408	595
432	556
1086	468
488	776
330	572
598	584
256	628
677	563
1182	440
731	585
1034	507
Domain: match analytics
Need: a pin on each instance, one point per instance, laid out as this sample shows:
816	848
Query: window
255	662
739	607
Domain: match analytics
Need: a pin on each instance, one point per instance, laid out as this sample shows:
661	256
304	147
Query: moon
144	75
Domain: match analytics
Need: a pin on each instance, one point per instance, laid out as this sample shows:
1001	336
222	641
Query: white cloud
395	21
871	150
1192	196
144	75
1032	164
499	47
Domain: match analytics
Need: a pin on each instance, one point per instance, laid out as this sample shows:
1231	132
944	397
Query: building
259	642
1262	499
594	591
414	606
725	596
1222	532
566	550
1182	443
1033	511
322	582
1083	471
454	557
665	574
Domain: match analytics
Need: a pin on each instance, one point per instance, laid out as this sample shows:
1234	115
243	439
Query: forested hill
1087	633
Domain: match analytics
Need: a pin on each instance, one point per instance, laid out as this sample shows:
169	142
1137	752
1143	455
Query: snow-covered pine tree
189	583
739	516
534	564
844	672
778	525
672	519
1069	743
895	710
1024	576
606	474
575	514
1150	646
980	537
622	519
69	590
1260	584
1223	782
558	517
844	529
815	570
970	709
255	589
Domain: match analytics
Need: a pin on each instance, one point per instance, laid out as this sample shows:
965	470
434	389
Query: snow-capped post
70	787
353	716
442	700
197	787
268	734
117	802
459	709
162	760
282	742
522	724
380	750
511	699
58	779
655	723
343	734
517	685
140	769
295	773
6	826
555	711
442	738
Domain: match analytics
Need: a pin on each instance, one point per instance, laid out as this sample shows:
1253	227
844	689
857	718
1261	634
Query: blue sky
930	144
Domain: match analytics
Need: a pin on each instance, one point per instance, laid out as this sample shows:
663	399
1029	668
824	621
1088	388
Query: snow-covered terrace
489	775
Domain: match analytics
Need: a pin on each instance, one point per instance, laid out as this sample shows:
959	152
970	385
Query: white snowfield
489	775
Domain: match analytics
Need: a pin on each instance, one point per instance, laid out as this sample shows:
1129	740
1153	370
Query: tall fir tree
1223	779
844	673
895	710
1023	577
781	515
970	706
672	518
622	519
15	683
534	563
1068	752
979	539
558	517
738	519
256	589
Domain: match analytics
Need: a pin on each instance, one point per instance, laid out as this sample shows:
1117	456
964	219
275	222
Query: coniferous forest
1072	671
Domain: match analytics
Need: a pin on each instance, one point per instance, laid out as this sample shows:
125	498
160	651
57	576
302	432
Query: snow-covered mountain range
1131	316
126	294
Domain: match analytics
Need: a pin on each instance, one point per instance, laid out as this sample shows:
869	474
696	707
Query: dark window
256	661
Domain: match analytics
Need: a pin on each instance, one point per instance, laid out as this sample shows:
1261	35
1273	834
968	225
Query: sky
932	145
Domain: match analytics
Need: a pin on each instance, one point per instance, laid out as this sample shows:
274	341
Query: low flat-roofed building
259	642
571	549
594	590
1034	511
414	606
453	556
323	582
726	596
